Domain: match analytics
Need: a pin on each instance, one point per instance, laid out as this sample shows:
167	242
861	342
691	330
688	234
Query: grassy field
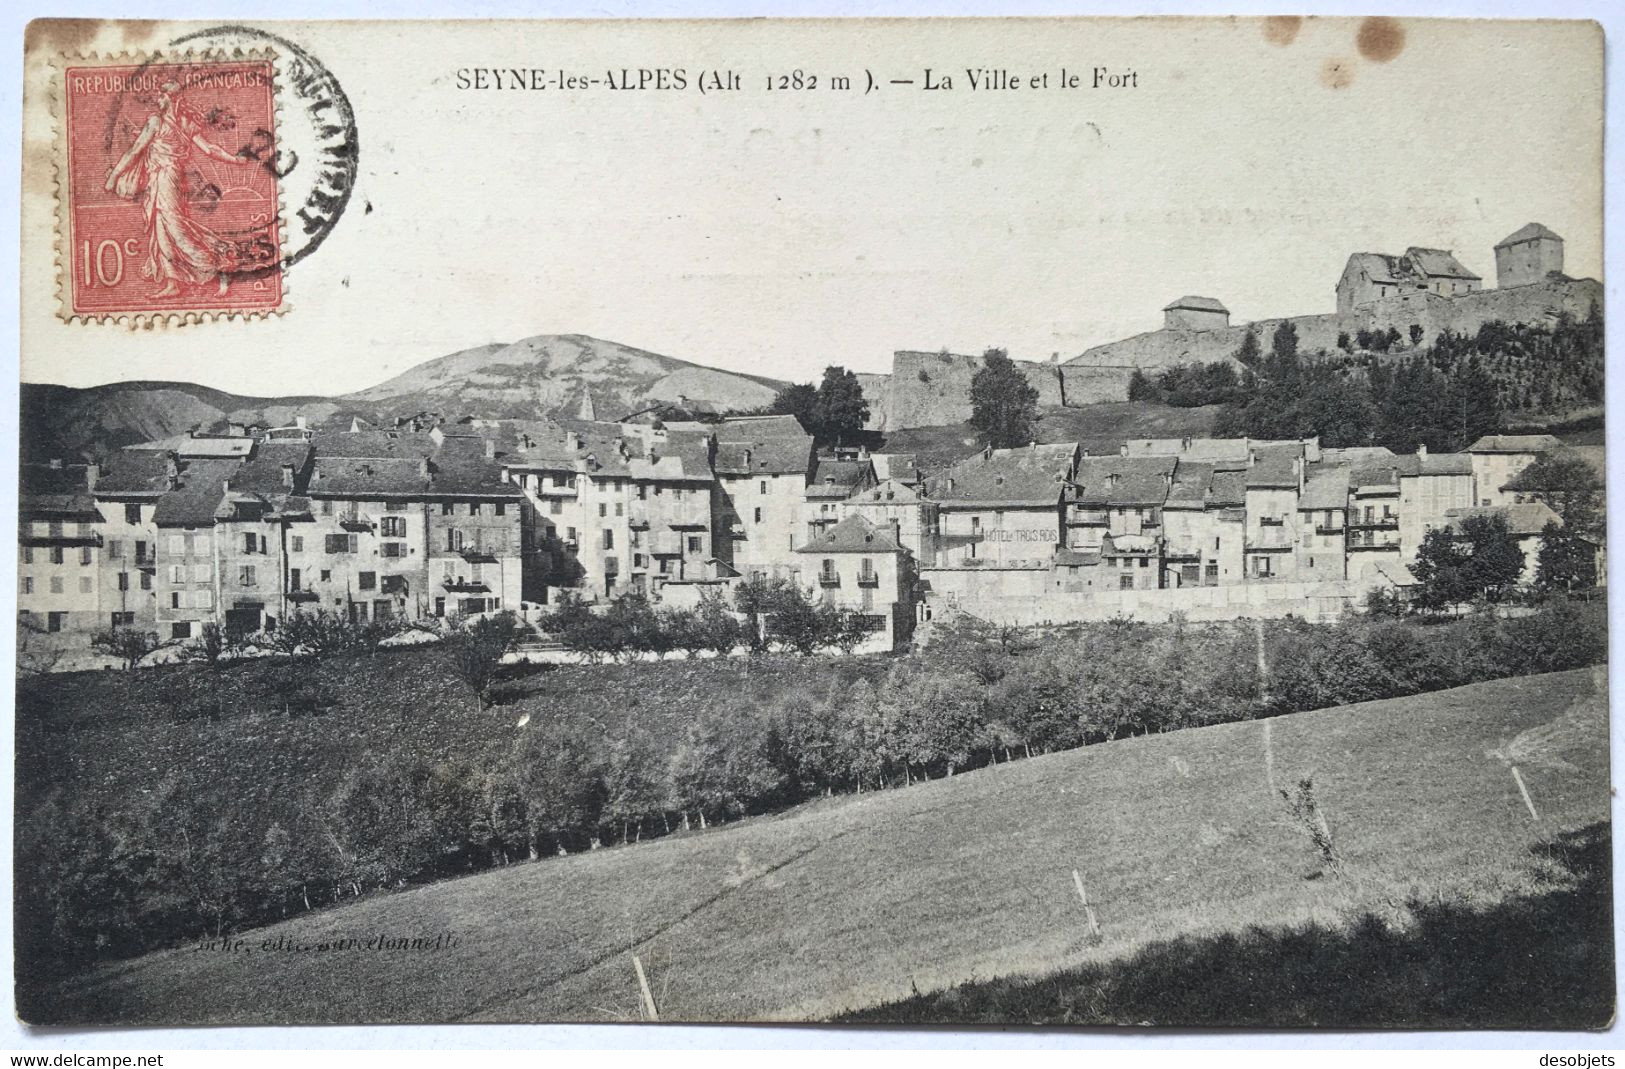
860	902
1101	428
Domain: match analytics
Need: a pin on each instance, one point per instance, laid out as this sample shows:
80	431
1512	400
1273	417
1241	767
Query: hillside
863	900
1099	427
547	375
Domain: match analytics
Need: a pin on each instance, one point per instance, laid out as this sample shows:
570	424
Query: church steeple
587	411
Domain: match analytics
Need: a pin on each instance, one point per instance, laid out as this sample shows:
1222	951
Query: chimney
1422	450
287	476
490	448
299	421
93	472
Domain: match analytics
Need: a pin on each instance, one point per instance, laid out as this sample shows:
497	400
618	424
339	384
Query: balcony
302	595
829	581
477	555
147	562
870	580
1328	529
460	585
1268	539
1078	515
353	522
1374	523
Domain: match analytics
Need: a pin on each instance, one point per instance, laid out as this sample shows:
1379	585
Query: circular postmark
316	148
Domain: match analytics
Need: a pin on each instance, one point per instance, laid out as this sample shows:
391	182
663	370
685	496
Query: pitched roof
262	473
187	446
1378	266
1112	481
1522	520
197	494
1325	486
1437	263
892	491
61	491
762	445
374	444
1275	467
134	473
900	466
1515	443
678	457
1028	475
370	477
1198	304
831	478
1527	232
1355	454
853	535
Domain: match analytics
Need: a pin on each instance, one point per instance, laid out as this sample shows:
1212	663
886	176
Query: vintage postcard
1075	522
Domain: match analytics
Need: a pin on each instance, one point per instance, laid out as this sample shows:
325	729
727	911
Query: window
392	527
1125	581
28	554
28	584
394	506
132	514
327	508
250	543
758	515
440	606
55	529
201	573
454	540
341	543
124	619
694	544
293	579
297	543
115	549
473	508
393	549
84	555
245	576
569	534
174	599
180	630
555	507
124	580
620	510
609	539
367	581
445	508
763	487
146	580
327	576
56	584
56	555
177	573
603	510
203	599
501	508
177	545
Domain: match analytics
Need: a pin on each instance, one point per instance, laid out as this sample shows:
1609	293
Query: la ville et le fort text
721	80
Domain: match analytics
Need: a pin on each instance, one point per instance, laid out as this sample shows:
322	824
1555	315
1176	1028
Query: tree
1481	559
1141	388
841	410
1567	484
1416	334
1248	353
1438	570
799	399
717	625
1567	560
560	777
1284	342
1473	406
125	643
477	650
1004	405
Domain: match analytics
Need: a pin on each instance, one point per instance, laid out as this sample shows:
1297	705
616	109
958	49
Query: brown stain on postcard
1282	30
1380	38
1337	72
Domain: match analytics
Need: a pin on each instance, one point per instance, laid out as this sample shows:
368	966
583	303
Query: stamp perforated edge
60	217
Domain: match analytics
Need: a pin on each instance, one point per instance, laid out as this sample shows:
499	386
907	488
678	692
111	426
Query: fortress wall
1536	304
933	389
876	391
1084	385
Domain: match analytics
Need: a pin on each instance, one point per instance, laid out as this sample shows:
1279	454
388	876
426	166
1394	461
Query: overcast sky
776	232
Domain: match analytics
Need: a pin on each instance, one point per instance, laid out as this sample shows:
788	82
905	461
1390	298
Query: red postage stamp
171	189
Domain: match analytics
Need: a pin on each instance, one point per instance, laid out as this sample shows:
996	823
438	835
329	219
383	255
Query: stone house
59	549
1497	460
1322	523
1525	523
1528	255
1002	507
1195	313
859	567
127	492
1204	525
1371	276
761	466
1273	483
902	509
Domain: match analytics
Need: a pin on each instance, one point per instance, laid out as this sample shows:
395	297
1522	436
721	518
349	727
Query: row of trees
187	858
766	614
833	411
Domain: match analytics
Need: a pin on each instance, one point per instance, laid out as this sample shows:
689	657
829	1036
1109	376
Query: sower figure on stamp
179	248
